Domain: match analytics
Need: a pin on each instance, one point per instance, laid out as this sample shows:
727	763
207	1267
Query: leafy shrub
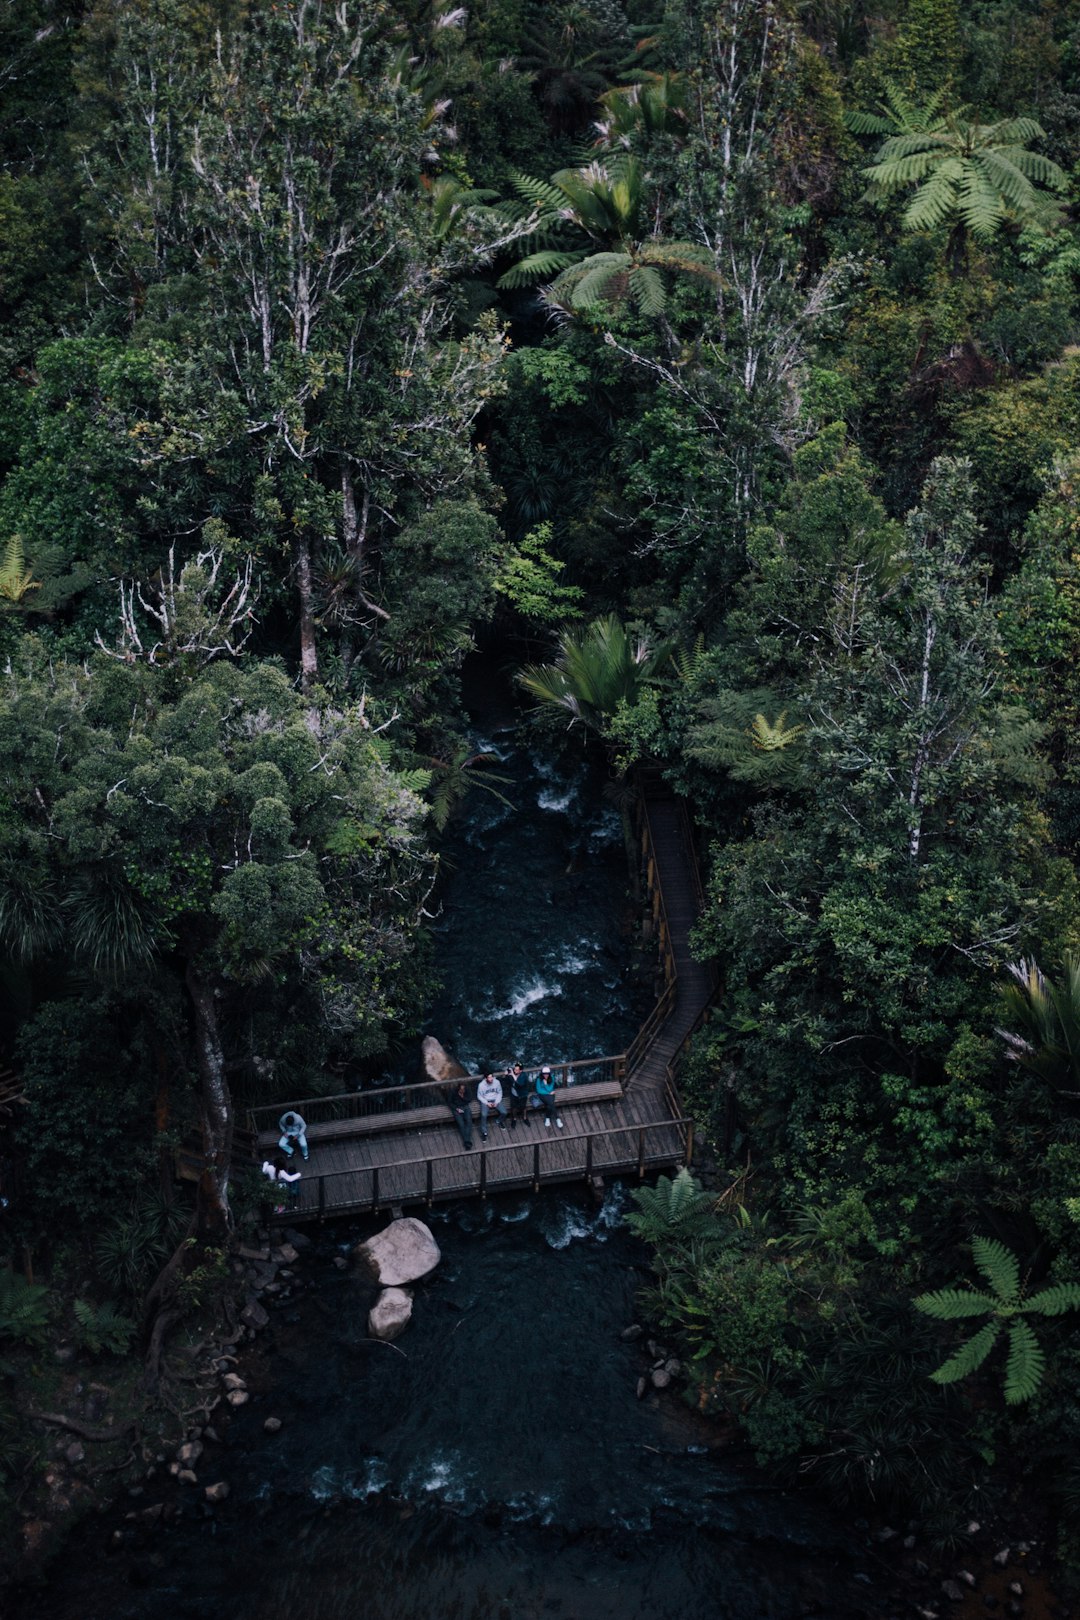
102	1327
25	1308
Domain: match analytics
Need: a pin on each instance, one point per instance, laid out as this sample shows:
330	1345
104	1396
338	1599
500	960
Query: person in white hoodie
490	1097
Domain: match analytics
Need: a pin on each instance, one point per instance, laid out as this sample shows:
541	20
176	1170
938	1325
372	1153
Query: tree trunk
214	1214
309	664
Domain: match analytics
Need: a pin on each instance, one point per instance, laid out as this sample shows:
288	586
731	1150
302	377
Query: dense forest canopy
718	363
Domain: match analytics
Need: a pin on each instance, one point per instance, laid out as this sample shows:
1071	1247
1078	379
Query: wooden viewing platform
621	1114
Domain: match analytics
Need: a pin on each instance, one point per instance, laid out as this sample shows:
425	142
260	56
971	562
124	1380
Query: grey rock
238	1397
190	1453
233	1380
1016	1589
660	1378
953	1591
288	1254
340	1262
404	1252
642	1386
966	1577
217	1492
390	1314
246	1253
909	1542
673	1367
438	1064
629	1334
1002	1558
254	1315
64	1353
186	1476
75	1453
272	1425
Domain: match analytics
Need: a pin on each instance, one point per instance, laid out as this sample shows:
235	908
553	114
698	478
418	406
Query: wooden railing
427	1178
397	1099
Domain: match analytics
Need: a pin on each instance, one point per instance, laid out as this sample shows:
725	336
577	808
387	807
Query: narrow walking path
624	1118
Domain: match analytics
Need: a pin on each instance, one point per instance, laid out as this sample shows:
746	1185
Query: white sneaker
559	1123
547	1122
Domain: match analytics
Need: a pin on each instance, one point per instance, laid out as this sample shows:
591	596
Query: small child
277	1170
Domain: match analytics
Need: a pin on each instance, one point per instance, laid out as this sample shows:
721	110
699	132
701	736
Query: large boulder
438	1064
390	1313
403	1253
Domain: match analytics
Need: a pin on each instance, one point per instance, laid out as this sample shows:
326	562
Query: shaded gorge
495	1463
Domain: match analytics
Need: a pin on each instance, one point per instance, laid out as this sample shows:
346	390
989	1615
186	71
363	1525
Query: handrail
535	1148
554	1140
396	1099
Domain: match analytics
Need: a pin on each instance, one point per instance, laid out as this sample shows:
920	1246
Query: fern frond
969	1357
1025	1366
1053	1301
950	1304
538	193
536	267
647	289
999	1266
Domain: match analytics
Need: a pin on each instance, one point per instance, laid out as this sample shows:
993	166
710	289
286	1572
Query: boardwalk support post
375	1189
430	1184
536	1167
322	1198
588	1158
689	1143
641	1154
483	1175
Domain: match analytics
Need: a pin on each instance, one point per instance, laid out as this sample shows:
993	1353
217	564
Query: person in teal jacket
545	1093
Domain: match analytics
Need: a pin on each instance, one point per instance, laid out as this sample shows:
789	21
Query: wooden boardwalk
629	1122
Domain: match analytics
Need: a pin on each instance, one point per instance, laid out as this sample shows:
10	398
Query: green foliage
132	1247
1006	1306
975	176
25	1310
530	581
595	671
101	1328
676	1209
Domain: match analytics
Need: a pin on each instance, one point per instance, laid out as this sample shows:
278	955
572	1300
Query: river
495	1463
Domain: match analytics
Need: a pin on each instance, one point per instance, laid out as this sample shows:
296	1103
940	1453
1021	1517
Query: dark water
494	1464
532	944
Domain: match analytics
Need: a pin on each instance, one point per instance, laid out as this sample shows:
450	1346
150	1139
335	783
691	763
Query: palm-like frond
595	670
31	921
970	1356
16	580
535	267
1054	1301
675	1208
1026	1364
999	1266
973	173
107	927
1041	1020
951	1304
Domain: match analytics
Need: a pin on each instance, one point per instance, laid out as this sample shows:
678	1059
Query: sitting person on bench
461	1108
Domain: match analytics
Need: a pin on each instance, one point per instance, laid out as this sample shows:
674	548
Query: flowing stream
494	1464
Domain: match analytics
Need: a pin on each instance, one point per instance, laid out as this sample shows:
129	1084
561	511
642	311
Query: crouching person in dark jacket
461	1108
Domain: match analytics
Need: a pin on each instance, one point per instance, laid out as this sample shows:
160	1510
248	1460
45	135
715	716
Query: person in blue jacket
293	1130
545	1092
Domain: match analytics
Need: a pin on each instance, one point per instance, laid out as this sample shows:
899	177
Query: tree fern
676	1208
16	580
1007	1306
